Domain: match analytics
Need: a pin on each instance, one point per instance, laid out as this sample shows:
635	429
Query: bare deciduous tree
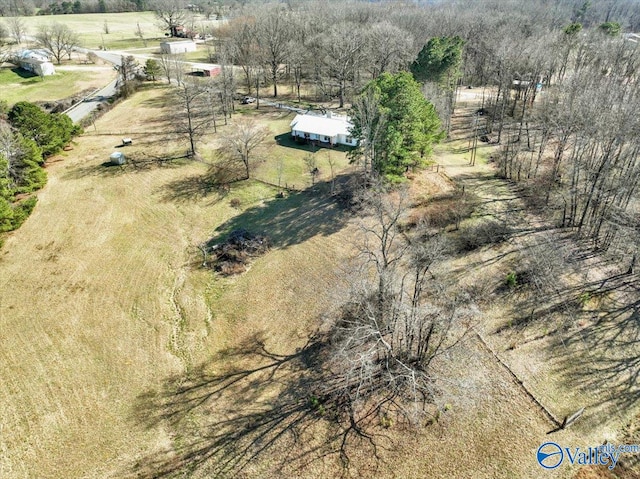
58	38
366	110
241	140
226	83
397	322
389	48
279	169
195	102
172	66
4	32
93	58
9	150
170	15
5	49
140	34
242	47
298	58
341	51
312	167
17	28
273	33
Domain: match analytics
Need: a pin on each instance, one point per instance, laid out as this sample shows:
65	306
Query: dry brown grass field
116	346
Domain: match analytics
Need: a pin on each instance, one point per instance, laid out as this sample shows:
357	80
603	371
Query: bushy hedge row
28	136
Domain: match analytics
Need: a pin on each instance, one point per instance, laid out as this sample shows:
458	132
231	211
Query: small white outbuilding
117	158
181	46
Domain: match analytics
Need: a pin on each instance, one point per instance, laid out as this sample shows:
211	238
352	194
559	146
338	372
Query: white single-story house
181	46
330	128
35	61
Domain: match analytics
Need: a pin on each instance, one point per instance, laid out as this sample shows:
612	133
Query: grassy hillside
113	301
123	357
90	27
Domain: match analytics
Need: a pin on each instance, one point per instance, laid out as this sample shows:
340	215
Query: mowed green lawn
281	154
18	85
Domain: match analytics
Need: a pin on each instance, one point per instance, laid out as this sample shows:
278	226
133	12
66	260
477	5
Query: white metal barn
332	129
181	46
35	61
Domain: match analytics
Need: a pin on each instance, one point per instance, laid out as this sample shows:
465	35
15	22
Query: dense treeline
563	108
445	13
28	135
339	46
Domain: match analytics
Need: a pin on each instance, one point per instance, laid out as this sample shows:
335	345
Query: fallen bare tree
233	254
398	320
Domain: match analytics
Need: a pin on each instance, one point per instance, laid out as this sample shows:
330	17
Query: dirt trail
500	200
560	356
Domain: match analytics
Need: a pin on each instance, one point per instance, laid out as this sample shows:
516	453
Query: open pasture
107	315
122	28
114	301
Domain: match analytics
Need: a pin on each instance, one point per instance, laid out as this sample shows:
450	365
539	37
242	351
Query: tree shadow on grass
262	406
193	188
160	101
287	141
217	180
134	163
290	220
602	358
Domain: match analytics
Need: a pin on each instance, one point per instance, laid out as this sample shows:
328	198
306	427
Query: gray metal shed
117	158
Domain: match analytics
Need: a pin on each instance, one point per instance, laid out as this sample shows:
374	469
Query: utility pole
474	146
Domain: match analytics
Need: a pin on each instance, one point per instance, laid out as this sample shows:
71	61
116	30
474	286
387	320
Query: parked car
247	99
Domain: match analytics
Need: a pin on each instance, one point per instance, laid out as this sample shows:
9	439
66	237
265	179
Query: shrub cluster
482	234
232	256
29	135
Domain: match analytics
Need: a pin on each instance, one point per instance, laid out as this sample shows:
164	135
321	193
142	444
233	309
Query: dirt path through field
558	358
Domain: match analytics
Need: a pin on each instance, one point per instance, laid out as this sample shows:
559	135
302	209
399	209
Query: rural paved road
89	104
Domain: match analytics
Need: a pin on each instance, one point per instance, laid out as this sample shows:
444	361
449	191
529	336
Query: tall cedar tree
409	125
20	172
50	131
439	61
